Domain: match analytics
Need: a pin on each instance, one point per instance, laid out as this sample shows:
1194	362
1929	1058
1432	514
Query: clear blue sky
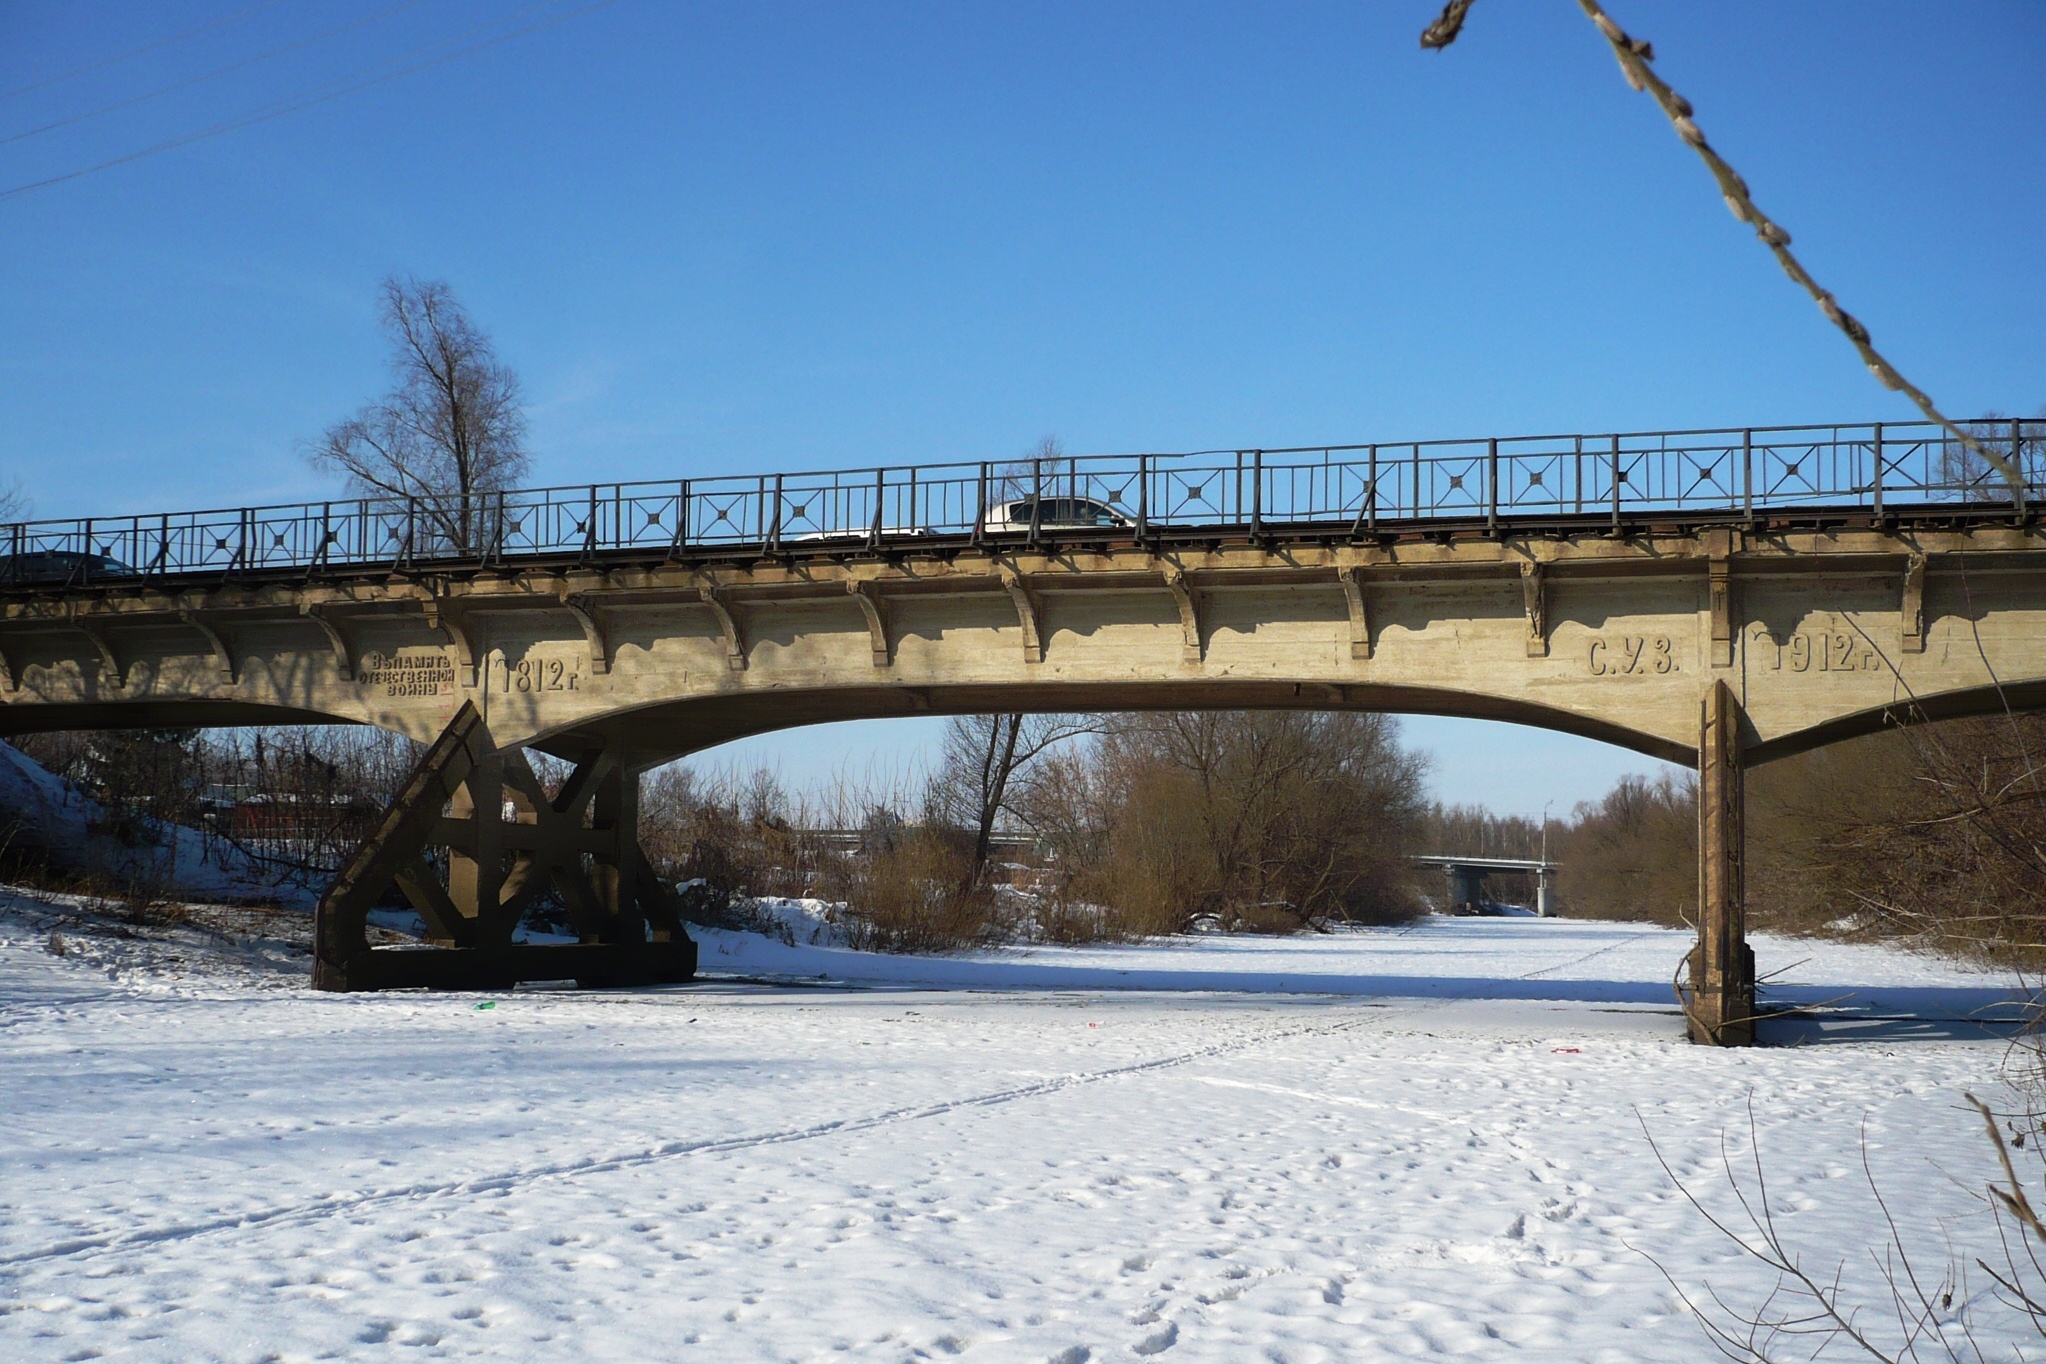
731	237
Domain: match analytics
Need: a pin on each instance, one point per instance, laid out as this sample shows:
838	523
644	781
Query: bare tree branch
1635	56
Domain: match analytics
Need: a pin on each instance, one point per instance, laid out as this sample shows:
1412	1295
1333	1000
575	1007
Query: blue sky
733	237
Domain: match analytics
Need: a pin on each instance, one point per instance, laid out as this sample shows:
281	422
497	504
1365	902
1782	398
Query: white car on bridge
1052	513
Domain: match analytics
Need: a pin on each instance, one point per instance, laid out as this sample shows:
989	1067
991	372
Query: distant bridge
1718	597
1466	878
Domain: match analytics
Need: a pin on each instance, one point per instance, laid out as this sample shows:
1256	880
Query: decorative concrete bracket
1534	594
1719	580
1914	605
735	646
1352	578
584	609
1026	612
110	665
216	640
1189	610
444	616
337	638
863	591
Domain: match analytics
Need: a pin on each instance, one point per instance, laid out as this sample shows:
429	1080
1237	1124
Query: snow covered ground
1379	1144
46	815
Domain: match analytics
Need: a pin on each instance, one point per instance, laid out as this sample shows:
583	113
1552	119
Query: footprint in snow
1072	1354
1159	1341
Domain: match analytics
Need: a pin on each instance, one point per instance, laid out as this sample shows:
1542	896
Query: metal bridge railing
1357	488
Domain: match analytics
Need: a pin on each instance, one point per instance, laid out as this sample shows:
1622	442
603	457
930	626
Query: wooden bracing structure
507	843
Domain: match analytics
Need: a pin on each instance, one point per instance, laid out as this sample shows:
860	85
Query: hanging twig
1635	56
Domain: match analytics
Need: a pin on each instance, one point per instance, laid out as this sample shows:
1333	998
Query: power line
189	82
104	62
318	95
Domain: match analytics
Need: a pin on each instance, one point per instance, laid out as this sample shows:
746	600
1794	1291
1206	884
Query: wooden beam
340	922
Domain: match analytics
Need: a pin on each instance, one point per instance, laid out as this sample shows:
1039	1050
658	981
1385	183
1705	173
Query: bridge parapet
1731	475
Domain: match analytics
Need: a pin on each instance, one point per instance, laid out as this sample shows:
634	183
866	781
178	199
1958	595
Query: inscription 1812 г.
1631	656
539	674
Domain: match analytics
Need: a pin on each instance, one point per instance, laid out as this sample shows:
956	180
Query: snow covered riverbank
1370	1145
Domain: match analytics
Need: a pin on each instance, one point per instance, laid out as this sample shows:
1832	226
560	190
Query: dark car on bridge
62	567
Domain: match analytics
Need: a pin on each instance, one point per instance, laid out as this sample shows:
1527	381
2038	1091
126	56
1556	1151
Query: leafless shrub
294	799
906	896
1254	821
1814	1301
1910	1299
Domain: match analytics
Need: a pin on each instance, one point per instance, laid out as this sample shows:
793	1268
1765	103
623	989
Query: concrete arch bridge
1721	598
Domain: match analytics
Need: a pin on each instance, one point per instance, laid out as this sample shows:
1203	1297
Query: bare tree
450	433
982	757
1040	468
13	502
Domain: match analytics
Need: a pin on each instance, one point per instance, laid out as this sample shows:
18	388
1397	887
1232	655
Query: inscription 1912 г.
1631	656
415	674
1826	651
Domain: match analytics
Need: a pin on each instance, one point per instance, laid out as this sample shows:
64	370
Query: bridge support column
1719	1005
582	842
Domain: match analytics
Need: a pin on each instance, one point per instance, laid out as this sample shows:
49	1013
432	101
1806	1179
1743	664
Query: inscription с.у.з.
1631	656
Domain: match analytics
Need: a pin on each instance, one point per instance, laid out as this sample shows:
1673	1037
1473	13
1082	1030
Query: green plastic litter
488	1004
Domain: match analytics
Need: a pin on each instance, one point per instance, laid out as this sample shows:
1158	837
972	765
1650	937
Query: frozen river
1377	1144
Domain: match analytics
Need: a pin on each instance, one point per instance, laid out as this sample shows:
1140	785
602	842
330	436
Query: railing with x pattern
1733	474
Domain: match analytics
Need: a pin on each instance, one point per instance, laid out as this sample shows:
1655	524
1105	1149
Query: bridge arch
2016	695
658	732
